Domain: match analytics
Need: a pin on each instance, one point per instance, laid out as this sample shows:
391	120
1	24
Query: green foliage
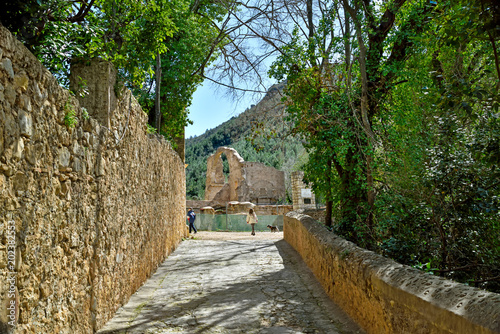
188	50
430	136
128	33
321	114
440	131
150	129
70	119
85	114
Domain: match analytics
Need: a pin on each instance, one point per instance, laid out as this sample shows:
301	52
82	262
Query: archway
220	186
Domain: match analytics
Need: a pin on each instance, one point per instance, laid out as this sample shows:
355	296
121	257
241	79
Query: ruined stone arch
216	186
247	181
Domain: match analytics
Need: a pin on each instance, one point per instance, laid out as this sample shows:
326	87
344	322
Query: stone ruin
247	181
302	195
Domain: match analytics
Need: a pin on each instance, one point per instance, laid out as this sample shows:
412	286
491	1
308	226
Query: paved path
231	286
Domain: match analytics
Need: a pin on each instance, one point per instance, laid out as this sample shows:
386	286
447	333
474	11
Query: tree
443	216
128	33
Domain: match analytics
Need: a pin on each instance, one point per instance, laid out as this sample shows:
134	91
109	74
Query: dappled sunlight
242	286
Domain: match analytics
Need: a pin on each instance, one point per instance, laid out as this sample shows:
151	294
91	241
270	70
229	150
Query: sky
210	108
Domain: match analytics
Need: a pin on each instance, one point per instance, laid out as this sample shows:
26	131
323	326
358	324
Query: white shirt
252	218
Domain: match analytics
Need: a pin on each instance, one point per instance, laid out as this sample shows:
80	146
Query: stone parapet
384	296
95	204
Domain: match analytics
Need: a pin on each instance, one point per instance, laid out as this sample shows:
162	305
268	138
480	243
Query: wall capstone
384	296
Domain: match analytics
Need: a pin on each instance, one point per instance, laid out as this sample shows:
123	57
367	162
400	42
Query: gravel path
223	282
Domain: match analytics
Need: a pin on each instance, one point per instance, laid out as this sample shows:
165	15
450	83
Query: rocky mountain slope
259	134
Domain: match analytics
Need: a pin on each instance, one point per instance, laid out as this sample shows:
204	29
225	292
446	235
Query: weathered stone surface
10	94
247	181
384	296
25	123
84	243
21	81
99	79
303	196
18	149
25	103
64	157
7	66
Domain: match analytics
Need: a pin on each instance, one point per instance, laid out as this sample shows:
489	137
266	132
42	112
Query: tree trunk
329	201
157	93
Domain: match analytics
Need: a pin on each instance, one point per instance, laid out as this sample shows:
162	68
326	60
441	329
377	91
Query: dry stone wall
86	212
384	296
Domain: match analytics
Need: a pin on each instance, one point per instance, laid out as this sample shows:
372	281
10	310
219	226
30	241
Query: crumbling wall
303	197
263	184
216	182
247	182
87	210
384	296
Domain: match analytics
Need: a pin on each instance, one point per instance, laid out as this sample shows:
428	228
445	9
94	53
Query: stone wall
384	296
270	210
263	184
90	210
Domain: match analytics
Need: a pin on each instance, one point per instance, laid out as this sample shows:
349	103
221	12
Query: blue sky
210	107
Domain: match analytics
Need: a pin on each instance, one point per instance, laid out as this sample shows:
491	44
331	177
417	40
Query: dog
273	228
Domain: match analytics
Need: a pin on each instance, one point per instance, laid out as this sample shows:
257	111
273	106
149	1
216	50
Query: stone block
100	167
17	152
78	166
25	103
7	67
20	182
25	123
64	157
10	95
21	81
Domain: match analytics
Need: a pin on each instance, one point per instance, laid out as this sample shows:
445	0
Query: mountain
260	133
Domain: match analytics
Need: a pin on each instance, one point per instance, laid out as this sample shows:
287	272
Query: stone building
303	197
247	181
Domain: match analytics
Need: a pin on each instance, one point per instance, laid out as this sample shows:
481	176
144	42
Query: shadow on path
245	286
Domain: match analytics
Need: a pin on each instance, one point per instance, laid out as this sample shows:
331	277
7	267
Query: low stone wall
196	204
272	210
259	209
384	296
88	211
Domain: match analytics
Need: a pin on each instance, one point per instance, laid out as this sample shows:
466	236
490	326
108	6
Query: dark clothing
192	218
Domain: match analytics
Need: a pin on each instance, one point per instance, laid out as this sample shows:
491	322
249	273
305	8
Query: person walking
191	216
252	219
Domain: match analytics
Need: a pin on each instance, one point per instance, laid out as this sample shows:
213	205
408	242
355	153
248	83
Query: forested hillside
259	134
